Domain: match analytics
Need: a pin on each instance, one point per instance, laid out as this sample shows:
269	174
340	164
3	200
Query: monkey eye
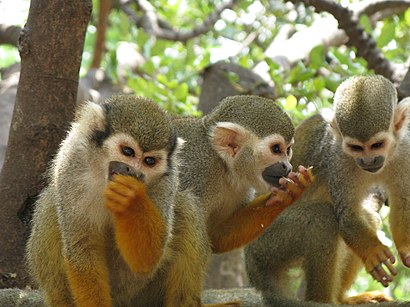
377	145
128	151
150	161
288	150
276	149
355	147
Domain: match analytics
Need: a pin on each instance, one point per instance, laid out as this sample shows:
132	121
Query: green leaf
319	83
149	67
316	57
300	73
181	92
387	34
407	16
364	21
291	102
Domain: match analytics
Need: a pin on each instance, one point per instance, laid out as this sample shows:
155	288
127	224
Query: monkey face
371	155
125	156
274	154
259	162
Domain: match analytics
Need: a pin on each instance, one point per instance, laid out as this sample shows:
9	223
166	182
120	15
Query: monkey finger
127	181
113	204
389	255
294	190
120	189
386	276
308	174
295	177
114	197
380	275
303	170
389	264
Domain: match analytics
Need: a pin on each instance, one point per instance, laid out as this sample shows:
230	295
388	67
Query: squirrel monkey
112	227
242	146
331	232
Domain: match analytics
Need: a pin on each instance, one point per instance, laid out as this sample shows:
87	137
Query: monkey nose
274	172
121	168
372	165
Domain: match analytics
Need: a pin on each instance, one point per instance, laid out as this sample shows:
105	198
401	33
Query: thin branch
365	45
372	7
151	23
102	23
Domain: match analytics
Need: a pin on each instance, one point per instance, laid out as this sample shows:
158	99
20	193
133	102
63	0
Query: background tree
50	50
188	54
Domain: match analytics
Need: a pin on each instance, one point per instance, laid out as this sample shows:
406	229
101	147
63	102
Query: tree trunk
50	46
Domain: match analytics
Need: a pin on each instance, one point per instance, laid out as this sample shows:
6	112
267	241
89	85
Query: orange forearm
244	225
140	230
140	234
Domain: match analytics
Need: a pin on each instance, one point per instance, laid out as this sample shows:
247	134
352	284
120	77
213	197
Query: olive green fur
364	106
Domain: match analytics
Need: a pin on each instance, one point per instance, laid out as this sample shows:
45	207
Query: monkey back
364	106
265	119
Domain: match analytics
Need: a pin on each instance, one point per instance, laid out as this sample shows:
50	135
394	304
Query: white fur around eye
263	148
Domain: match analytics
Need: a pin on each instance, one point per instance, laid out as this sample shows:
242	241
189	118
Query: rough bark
8	90
50	48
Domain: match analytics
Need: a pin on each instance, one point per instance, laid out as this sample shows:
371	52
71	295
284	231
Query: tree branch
372	7
365	45
104	10
151	23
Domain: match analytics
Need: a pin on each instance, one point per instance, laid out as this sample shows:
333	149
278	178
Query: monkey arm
360	233
140	230
400	224
245	224
249	222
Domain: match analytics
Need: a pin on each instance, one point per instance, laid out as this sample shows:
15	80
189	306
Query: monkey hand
292	187
122	192
140	230
375	262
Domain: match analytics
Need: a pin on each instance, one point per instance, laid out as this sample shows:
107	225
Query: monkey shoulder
312	141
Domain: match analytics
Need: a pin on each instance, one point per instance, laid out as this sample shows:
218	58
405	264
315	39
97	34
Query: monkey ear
91	117
228	138
401	116
180	144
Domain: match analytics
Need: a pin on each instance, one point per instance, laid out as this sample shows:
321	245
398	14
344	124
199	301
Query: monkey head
125	144
254	137
368	121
